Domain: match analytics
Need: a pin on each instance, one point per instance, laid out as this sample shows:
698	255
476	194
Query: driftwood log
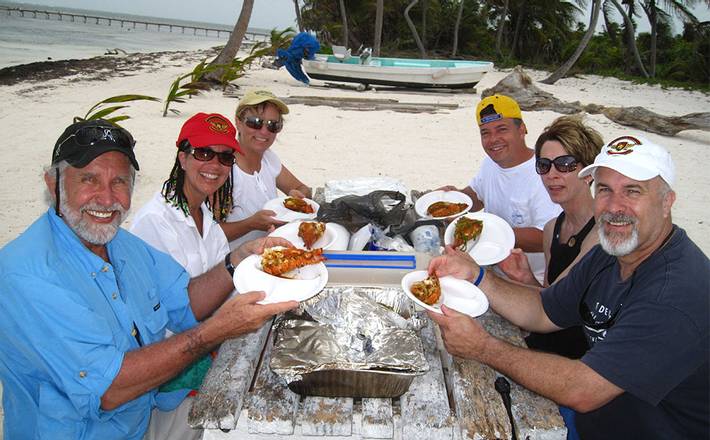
519	86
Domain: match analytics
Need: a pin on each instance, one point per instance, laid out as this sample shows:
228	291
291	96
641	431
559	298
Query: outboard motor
365	55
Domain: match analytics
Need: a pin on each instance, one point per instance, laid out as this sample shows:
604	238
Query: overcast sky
267	14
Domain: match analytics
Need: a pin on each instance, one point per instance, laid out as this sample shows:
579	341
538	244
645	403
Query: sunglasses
89	136
225	158
592	319
563	164
256	123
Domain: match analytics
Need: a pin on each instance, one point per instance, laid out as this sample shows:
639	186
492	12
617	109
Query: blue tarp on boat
303	45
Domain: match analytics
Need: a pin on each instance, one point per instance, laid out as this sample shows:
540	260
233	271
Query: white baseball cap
636	158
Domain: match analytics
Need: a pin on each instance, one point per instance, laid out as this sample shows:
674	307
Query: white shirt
168	229
251	191
518	196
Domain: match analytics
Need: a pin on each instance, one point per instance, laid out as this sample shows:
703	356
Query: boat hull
399	72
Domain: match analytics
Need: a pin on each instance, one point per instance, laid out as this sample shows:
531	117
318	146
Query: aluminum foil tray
350	342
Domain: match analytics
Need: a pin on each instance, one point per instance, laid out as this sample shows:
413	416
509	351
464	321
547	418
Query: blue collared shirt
66	321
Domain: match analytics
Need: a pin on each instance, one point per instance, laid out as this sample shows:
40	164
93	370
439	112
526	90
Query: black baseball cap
84	141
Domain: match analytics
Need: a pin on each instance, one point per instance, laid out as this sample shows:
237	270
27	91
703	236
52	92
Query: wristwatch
228	264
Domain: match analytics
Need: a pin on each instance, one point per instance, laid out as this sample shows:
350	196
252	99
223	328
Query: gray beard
90	232
614	247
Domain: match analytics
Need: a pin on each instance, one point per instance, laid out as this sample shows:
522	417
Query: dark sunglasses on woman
563	164
226	158
256	123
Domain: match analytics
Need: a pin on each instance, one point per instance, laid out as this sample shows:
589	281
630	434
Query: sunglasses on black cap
89	136
563	164
256	123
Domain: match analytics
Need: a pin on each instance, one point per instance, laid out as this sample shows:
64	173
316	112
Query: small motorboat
401	72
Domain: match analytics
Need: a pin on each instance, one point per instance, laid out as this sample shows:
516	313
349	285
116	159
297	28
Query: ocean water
27	40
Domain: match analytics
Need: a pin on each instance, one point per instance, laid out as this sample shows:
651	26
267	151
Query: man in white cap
642	297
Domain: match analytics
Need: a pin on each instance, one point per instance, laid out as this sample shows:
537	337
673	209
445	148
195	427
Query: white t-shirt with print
518	196
251	191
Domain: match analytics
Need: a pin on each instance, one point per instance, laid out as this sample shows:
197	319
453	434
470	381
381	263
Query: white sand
322	143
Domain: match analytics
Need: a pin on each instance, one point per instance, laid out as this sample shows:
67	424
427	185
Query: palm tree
344	17
379	13
456	29
299	20
564	68
501	25
410	23
631	36
229	51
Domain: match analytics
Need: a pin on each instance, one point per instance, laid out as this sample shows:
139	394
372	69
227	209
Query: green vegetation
535	33
99	111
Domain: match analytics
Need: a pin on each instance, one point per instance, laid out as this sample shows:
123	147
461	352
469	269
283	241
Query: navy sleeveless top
569	342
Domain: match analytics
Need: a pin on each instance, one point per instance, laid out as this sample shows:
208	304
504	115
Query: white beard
615	247
98	234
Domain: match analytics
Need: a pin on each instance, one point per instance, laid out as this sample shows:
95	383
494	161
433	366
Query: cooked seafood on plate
298	205
467	229
445	209
278	261
428	290
310	232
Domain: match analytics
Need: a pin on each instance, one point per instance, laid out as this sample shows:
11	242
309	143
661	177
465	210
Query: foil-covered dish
350	342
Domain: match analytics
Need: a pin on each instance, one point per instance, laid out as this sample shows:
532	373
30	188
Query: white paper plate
456	294
286	215
360	238
495	242
429	198
307	281
334	238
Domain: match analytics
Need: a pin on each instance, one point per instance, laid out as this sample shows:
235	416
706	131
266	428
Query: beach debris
115	51
367	104
519	86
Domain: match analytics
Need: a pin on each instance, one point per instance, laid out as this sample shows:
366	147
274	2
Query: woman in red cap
258	172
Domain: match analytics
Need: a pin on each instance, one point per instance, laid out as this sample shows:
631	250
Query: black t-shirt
657	348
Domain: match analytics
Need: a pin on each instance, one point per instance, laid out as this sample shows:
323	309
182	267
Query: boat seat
341	52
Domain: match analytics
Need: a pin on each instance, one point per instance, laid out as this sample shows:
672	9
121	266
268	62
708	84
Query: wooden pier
124	22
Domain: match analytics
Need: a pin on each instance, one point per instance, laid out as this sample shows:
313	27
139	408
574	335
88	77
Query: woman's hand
517	268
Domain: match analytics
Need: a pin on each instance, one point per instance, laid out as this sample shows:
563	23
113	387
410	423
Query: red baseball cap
205	129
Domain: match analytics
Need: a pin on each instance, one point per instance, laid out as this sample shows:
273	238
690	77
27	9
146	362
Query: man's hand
517	268
455	263
462	335
241	314
447	188
297	194
257	247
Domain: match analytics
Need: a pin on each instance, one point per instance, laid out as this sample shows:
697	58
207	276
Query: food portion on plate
466	229
298	205
311	232
427	290
446	209
279	261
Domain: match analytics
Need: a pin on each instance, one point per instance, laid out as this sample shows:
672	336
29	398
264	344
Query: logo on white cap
622	145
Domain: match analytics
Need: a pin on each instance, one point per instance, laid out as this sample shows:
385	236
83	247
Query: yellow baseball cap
257	96
497	107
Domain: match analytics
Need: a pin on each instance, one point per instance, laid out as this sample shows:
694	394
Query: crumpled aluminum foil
350	328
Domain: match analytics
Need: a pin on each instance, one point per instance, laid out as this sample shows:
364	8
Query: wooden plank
479	408
425	407
326	416
224	389
377	418
271	405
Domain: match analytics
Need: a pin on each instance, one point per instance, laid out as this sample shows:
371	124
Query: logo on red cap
218	124
622	145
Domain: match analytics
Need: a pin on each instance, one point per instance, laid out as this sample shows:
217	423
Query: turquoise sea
26	40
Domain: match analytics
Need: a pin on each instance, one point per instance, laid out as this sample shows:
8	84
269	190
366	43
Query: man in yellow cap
507	184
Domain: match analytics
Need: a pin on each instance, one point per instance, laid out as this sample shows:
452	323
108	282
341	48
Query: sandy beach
321	143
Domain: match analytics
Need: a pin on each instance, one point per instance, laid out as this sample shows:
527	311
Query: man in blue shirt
84	305
641	296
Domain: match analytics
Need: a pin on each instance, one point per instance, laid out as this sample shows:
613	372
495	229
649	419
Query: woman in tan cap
258	172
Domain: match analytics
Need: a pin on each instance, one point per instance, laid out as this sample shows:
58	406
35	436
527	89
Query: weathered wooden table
242	399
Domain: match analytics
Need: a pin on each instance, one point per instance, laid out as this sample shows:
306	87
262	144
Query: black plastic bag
382	208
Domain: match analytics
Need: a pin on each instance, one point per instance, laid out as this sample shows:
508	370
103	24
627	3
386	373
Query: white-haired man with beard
84	306
641	297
